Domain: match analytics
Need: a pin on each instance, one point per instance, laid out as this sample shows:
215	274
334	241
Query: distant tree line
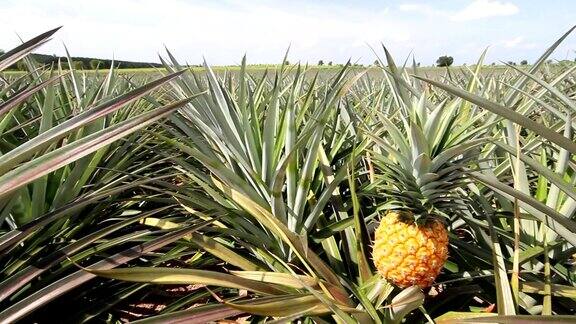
82	62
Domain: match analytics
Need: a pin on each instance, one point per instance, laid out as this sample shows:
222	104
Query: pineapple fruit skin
408	254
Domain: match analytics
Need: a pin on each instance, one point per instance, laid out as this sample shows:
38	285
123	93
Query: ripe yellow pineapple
409	254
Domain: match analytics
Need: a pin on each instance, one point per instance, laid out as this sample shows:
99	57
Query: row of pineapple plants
287	196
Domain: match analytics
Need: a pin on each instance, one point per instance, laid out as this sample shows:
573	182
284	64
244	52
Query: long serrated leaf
60	287
22	50
26	150
507	113
177	276
36	168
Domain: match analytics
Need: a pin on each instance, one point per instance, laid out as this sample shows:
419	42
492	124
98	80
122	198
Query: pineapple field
291	195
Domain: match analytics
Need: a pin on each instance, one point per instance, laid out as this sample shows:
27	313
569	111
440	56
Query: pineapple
407	253
420	156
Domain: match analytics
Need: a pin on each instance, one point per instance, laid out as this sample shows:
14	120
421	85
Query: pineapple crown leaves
421	152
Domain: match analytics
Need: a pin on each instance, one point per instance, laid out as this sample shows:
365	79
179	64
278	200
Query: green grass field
325	70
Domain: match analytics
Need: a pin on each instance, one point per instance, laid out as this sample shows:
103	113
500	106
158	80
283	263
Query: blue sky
222	31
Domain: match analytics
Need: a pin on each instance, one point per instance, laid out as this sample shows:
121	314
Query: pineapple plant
421	167
70	150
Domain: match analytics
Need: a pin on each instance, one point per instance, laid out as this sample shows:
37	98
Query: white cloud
513	42
479	9
518	43
424	9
